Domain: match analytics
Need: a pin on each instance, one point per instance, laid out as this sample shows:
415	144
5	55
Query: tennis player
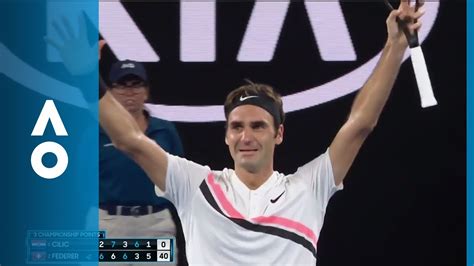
252	214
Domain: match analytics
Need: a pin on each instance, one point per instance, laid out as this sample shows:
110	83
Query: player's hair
264	90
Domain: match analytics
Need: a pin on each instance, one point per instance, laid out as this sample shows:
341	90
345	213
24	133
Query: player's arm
371	99
129	138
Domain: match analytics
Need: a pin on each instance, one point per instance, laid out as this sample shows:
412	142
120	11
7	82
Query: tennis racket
418	61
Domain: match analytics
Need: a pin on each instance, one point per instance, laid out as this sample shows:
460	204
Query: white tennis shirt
226	223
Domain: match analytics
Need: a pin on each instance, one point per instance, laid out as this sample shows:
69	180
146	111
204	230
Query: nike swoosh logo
277	198
247	97
108	144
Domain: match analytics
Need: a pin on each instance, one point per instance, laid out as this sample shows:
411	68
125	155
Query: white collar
262	189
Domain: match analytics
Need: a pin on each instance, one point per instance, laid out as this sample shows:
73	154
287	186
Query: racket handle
422	77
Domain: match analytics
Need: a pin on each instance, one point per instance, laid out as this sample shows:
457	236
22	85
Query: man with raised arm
252	214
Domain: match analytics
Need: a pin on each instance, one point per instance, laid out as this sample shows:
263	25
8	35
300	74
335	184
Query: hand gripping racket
418	61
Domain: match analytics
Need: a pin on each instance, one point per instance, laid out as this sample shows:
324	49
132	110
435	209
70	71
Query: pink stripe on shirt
222	199
296	226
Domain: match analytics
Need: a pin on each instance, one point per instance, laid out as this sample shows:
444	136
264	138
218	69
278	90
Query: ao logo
198	44
49	113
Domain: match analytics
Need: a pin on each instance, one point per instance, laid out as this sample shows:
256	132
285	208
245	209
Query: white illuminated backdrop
258	45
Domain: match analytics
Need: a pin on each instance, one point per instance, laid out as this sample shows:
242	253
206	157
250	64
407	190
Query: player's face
251	138
132	94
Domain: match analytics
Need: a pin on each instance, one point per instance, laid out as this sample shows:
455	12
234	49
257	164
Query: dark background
404	197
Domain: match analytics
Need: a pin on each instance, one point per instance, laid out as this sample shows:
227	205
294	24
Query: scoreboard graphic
63	247
136	250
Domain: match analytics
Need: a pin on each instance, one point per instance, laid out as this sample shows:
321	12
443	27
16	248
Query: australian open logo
49	113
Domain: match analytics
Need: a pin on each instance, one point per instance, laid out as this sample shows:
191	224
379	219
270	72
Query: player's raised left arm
371	99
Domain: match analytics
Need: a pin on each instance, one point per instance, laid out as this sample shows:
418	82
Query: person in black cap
130	87
128	205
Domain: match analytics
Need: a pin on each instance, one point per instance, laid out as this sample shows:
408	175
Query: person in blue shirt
128	205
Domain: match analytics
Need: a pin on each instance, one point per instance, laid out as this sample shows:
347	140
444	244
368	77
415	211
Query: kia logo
197	43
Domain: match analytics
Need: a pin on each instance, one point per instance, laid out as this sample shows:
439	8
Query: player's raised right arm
128	137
